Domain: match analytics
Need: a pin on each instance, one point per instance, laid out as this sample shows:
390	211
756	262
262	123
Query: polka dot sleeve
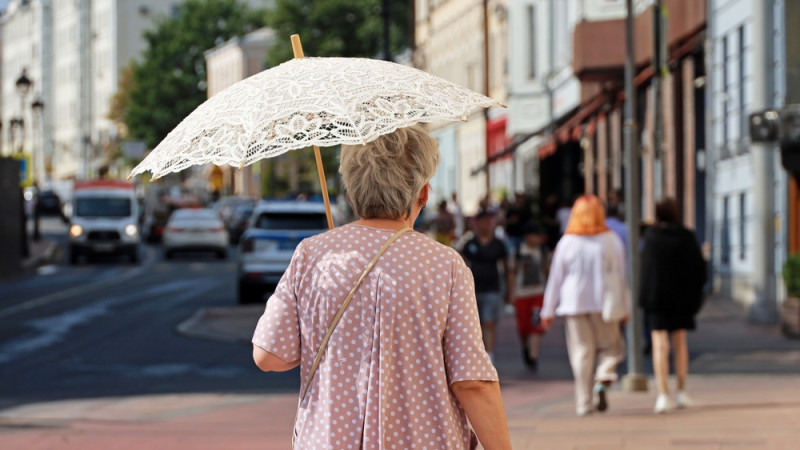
278	329
465	357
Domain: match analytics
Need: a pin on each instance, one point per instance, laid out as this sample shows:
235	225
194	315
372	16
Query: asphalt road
108	328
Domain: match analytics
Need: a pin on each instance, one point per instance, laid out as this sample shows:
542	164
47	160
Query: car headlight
131	230
75	230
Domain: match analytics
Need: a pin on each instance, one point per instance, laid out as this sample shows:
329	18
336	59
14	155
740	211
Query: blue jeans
489	304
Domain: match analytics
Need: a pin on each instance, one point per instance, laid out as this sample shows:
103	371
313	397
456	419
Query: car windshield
243	213
194	214
292	221
199	223
103	207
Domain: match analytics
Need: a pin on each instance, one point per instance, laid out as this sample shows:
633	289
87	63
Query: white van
104	220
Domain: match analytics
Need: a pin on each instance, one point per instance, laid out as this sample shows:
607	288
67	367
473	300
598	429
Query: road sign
134	149
25	173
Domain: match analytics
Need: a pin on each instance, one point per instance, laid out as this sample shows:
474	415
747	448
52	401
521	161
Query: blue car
267	246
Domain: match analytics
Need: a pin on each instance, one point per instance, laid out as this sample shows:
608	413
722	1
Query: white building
73	52
22	50
735	41
541	85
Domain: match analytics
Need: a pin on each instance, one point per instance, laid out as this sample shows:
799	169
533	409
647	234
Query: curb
37	260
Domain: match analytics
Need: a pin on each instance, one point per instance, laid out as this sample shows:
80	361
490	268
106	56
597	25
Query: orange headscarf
587	216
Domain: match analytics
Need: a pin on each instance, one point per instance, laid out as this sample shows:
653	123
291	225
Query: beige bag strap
339	314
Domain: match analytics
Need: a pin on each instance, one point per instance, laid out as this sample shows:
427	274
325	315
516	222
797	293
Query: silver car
195	230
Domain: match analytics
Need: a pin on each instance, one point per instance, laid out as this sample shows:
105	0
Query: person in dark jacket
673	273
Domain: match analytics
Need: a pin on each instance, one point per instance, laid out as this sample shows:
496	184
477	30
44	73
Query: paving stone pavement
745	381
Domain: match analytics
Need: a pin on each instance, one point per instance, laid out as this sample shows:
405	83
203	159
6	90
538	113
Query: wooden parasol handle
297	48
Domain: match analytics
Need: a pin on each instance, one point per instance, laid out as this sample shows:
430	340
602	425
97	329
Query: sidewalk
723	343
41	252
739	412
745	381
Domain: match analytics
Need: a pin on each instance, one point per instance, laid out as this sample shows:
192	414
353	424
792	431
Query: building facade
226	64
73	51
24	53
542	86
451	42
693	107
747	239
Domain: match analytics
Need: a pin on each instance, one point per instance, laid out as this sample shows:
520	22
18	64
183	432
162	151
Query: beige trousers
591	343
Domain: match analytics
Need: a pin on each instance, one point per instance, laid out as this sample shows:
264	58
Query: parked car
195	230
240	220
48	203
266	247
226	206
159	206
104	220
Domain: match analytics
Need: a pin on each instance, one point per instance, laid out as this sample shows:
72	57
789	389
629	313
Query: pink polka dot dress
410	331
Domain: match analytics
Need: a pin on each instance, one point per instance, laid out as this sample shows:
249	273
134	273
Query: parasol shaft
297	48
324	187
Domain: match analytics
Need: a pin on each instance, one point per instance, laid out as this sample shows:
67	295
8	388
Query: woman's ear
423	194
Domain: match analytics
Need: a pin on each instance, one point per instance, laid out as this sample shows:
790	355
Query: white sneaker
683	400
662	404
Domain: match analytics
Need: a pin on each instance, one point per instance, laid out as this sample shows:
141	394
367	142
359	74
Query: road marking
77	290
50	330
47	270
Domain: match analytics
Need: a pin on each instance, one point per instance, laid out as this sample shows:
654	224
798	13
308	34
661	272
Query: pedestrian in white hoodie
579	279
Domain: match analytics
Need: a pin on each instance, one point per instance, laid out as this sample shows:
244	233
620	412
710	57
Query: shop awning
571	129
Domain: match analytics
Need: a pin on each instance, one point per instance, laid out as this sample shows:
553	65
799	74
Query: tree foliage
121	98
337	27
170	81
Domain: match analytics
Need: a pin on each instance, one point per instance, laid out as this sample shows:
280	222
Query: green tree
337	27
170	81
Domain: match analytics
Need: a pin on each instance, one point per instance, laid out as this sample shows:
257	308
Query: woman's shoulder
342	236
429	244
572	240
670	232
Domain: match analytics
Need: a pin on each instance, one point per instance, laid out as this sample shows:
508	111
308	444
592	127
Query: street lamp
23	86
38	105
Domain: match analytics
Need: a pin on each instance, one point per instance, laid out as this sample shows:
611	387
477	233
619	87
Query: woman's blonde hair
587	216
383	178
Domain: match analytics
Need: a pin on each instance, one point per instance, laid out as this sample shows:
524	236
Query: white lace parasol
305	102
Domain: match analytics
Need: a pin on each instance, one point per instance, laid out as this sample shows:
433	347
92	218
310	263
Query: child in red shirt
531	265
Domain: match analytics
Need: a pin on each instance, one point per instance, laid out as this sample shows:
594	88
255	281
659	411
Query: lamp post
38	114
635	380
14	124
38	107
23	84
